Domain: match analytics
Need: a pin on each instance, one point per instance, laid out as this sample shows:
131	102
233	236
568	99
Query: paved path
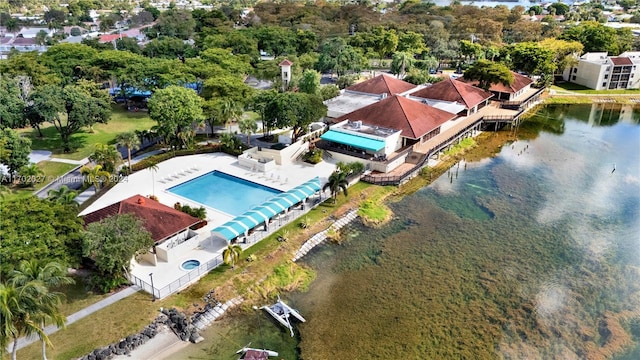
25	341
69	161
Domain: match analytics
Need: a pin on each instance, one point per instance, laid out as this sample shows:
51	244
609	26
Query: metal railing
193	275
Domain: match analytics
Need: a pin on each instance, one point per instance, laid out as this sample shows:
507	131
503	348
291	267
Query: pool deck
181	169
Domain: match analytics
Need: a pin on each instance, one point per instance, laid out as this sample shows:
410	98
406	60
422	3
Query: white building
600	72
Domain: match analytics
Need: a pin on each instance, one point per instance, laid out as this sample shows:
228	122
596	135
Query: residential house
599	71
170	228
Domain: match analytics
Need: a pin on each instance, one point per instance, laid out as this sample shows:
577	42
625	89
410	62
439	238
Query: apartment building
599	71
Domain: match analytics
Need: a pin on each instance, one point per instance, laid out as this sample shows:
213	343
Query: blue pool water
190	264
224	192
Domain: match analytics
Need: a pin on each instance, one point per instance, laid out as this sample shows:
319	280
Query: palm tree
39	278
63	195
31	174
13	26
231	254
131	141
248	126
229	111
95	175
336	183
153	167
106	156
18	313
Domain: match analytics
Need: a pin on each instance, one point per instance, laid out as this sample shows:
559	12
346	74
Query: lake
533	253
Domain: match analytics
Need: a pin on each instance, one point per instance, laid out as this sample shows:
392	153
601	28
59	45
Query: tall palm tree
248	126
231	254
129	140
336	183
95	175
18	312
106	156
63	195
39	278
153	167
229	111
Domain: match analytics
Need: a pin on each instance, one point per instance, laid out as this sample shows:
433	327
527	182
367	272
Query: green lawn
579	89
121	121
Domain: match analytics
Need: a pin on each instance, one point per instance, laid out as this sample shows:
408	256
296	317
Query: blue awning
356	141
267	210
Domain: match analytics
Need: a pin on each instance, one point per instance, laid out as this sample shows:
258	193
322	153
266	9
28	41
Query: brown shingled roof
621	61
414	118
160	220
454	90
382	84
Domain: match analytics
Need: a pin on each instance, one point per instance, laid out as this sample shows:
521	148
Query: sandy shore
161	347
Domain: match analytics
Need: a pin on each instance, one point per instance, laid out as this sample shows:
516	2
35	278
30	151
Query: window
604	84
575	70
606	76
574	78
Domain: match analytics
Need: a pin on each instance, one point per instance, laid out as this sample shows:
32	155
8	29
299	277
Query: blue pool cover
356	141
267	210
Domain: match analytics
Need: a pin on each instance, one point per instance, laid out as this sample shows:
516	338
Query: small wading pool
190	264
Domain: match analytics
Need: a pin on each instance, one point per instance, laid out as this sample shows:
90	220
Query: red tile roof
285	62
454	90
111	37
382	84
519	83
160	220
414	118
621	61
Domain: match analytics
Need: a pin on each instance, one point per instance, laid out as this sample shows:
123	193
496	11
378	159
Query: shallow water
534	253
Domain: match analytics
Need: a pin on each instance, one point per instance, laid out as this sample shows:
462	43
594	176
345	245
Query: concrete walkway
25	341
69	161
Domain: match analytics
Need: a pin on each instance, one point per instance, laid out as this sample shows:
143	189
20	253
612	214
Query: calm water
238	196
532	254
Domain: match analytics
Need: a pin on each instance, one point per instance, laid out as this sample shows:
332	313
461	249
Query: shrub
313	156
351	169
346	81
329	91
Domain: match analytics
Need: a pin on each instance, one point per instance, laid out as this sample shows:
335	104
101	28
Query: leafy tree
470	50
564	52
167	47
336	56
39	229
228	87
129	140
248	126
13	26
560	8
412	42
275	40
111	243
41	37
11	103
421	78
69	61
175	23
63	195
177	110
532	58
231	254
401	63
37	279
294	110
597	37
536	10
329	91
128	44
70	109
310	82
259	103
15	150
487	72
237	41
336	183
31	175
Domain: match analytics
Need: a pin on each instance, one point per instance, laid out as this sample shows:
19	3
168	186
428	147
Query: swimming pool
224	192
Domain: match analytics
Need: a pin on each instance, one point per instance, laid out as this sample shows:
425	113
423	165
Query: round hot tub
190	264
